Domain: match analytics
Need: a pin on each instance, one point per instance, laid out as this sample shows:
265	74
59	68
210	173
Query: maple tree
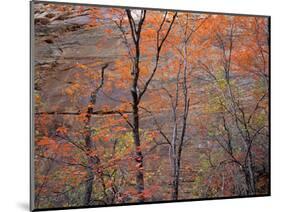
145	105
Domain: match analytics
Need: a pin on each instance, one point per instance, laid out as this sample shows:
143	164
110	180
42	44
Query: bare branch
159	47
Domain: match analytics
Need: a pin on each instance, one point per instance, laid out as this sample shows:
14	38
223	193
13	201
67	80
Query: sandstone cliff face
62	40
65	43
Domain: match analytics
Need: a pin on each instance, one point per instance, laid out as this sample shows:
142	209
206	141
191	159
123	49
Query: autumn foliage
143	105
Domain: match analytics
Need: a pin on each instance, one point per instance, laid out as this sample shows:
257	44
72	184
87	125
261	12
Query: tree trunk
136	27
136	34
177	148
89	187
139	157
174	162
90	145
249	175
90	174
176	175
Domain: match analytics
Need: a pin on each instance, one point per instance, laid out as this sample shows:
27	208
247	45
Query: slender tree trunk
136	27
177	143
174	163
139	156
176	175
89	187
178	148
90	145
136	35
173	154
136	136
249	175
